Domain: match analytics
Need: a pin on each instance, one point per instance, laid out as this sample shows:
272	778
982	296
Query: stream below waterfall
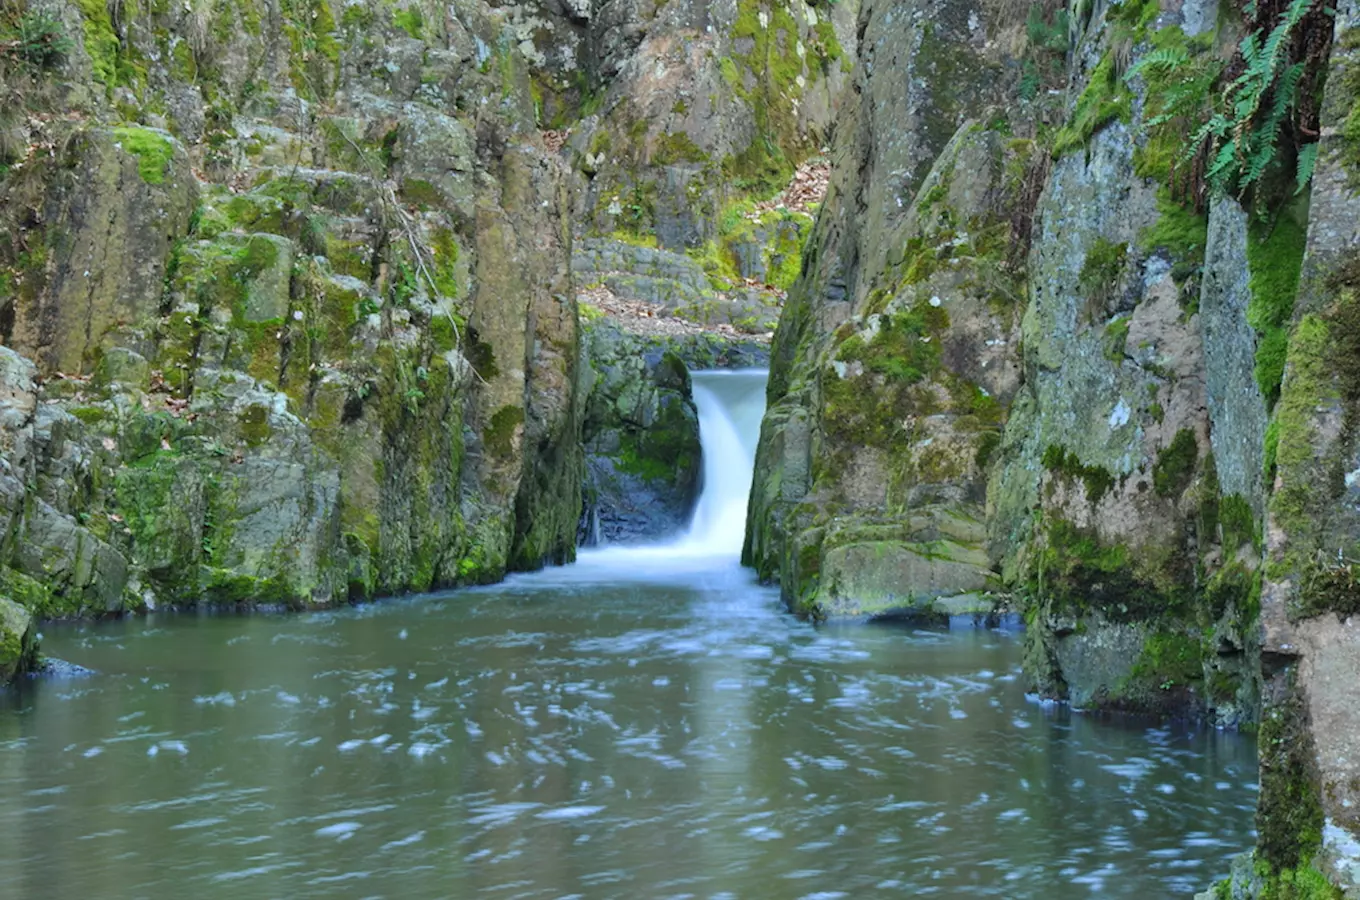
647	723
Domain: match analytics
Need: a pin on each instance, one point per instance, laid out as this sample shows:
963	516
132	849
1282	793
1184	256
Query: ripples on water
589	740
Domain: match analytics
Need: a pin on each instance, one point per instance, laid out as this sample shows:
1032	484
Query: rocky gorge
305	303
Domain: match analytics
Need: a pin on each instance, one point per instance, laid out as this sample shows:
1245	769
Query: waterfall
730	405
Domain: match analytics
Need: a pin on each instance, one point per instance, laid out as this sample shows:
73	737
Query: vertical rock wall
287	309
1151	443
992	375
1310	761
895	357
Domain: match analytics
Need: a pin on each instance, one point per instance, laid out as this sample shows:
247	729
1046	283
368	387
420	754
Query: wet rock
641	438
18	644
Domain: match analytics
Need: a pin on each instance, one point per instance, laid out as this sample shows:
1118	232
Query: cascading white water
730	405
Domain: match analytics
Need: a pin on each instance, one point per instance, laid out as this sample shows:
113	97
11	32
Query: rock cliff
1071	330
289	313
287	306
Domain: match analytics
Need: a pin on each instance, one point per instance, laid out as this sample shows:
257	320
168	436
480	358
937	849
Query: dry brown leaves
641	317
805	191
555	140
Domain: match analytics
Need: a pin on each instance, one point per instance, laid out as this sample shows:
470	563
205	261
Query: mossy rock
18	641
885	578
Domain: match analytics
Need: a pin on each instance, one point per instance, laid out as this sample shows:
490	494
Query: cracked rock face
992	375
302	331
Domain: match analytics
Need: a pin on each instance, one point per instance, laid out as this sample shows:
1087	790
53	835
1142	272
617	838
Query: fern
1165	59
1304	166
1260	99
1243	130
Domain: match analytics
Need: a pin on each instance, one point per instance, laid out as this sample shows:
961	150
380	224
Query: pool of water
626	728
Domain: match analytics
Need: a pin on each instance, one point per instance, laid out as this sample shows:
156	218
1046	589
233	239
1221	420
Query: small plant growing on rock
1263	119
33	37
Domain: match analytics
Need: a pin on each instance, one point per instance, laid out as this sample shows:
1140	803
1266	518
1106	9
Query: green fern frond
1307	161
1165	59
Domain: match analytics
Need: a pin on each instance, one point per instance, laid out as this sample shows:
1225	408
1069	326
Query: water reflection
591	740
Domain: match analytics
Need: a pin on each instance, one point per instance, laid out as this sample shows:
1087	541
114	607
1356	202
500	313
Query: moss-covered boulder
18	640
641	438
897	571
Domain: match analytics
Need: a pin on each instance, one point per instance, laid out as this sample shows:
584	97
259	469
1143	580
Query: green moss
1302	883
481	355
677	147
986	447
777	235
1328	587
761	170
1180	232
254	424
1274	259
1289	809
1238	523
1157	158
356	17
1346	73
1175	466
1101	270
444	245
258	255
1079	572
1060	461
183	66
314	52
730	73
36	597
1235	588
421	193
828	46
663	451
1103	100
636	221
779	142
1116	336
634	239
101	41
1170	659
349	257
1323	370
499	435
1272	449
90	415
410	20
904	346
153	150
718	263
1137	15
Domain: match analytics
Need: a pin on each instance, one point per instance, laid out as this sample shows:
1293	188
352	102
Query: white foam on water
730	406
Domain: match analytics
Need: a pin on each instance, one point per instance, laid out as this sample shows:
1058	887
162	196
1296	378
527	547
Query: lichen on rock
253	329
